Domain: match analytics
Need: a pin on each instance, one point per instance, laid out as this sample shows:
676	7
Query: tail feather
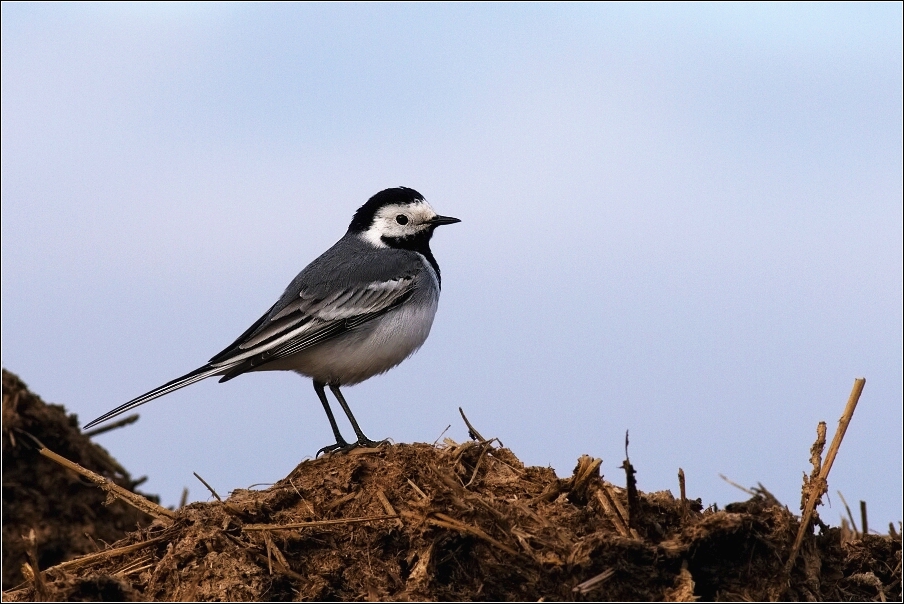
181	382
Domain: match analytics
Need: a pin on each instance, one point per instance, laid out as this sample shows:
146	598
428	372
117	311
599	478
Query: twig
816	460
441	434
843	423
37	576
819	486
341	501
483	452
303	500
765	494
633	497
445	521
602	495
280	567
134	566
129	419
621	510
209	488
585	471
736	485
183	501
313	523
850	517
472	432
274	552
110	553
588	585
418	490
367	450
135	500
613	508
863	523
387	507
682	489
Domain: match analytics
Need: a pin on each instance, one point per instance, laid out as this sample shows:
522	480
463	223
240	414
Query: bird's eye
401	219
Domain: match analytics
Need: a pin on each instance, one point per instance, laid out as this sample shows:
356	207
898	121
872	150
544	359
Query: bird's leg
363	441
340	442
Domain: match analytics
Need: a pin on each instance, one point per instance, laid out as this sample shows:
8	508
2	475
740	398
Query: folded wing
308	320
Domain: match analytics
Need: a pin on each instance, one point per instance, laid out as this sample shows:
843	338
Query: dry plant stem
384	501
274	554
363	451
472	432
313	523
483	452
609	509
587	469
633	497
136	501
418	490
863	523
683	490
736	485
445	521
818	447
135	566
843	424
819	486
590	584
616	511
815	459
130	419
37	576
279	567
621	510
848	510
441	434
209	488
341	501
110	553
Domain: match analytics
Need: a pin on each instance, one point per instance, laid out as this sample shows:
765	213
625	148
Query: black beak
438	220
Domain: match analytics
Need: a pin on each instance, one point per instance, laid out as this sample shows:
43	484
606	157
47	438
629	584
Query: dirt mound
470	522
68	517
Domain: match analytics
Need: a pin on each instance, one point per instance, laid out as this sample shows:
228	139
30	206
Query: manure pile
457	521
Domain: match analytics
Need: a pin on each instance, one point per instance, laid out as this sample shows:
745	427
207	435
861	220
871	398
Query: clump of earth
458	521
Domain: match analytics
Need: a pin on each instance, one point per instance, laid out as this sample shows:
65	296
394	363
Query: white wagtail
361	308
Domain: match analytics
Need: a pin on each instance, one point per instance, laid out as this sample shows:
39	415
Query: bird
359	309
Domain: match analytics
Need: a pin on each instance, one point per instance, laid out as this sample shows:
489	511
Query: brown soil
455	522
68	517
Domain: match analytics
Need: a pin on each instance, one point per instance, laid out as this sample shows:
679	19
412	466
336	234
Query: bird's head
396	218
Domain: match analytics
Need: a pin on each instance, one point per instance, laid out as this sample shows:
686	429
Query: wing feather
310	320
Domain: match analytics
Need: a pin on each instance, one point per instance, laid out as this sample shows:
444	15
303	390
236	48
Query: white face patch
399	220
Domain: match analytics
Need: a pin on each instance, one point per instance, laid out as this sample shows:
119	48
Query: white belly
371	349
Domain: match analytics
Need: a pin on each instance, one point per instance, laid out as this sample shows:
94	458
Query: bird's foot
339	447
366	443
344	447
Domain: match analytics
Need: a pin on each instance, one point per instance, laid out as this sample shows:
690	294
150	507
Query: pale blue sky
685	221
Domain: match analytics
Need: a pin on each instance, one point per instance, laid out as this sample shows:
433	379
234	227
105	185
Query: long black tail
189	378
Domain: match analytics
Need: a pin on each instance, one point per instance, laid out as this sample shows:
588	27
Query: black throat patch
419	243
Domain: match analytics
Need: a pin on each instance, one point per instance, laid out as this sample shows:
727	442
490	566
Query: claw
344	447
341	446
371	444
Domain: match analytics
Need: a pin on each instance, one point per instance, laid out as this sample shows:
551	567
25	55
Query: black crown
365	214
